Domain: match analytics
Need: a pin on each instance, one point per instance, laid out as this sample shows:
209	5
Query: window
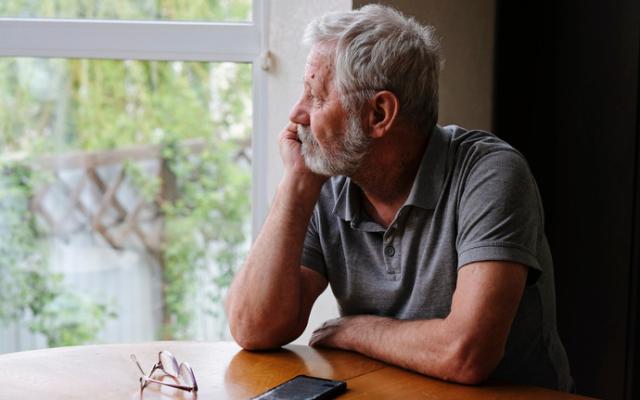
130	161
220	10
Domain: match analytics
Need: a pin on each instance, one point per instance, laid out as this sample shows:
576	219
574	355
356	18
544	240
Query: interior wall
466	30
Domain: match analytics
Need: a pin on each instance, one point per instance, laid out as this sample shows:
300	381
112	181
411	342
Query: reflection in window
124	198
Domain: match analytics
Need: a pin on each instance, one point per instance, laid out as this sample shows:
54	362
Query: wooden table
223	371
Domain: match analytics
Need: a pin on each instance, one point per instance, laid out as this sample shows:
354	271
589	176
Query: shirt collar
426	187
348	202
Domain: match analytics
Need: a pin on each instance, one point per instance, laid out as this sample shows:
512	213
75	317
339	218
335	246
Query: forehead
319	67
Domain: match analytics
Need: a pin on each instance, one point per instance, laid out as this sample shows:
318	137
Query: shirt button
389	251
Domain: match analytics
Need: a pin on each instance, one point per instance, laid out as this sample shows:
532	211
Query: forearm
433	347
264	303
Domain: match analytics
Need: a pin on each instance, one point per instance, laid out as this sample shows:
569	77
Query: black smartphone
303	387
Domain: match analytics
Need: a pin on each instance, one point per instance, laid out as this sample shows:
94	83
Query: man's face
333	141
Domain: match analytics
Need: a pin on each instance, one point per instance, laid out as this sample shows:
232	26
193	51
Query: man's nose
299	114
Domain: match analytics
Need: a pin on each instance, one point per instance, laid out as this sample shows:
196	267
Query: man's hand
335	333
296	172
291	151
290	148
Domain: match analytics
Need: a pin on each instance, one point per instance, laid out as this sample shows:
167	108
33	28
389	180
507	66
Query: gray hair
378	48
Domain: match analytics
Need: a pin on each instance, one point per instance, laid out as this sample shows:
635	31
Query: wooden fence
107	238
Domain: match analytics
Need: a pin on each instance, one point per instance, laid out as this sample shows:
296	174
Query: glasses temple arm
173	385
135	360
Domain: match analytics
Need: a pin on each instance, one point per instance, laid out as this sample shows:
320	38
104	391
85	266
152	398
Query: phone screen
304	387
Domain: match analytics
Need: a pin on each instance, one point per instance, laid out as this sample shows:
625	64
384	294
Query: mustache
303	132
305	136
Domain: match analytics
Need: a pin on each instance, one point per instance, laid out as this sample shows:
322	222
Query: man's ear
382	113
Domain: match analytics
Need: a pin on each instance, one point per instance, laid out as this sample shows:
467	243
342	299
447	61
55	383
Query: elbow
472	364
247	342
256	334
250	335
253	339
472	374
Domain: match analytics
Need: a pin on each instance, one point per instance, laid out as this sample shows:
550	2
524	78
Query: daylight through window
126	169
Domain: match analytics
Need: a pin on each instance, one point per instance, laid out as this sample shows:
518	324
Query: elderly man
431	237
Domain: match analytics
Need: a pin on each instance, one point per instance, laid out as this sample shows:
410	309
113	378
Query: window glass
172	10
124	198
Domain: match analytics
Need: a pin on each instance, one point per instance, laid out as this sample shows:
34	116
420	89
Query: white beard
343	159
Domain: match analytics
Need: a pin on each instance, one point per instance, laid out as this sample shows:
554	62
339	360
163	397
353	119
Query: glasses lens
169	363
186	375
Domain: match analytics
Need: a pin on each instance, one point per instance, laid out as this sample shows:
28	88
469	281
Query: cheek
319	131
319	137
327	128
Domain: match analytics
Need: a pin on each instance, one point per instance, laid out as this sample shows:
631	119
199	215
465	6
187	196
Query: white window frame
164	41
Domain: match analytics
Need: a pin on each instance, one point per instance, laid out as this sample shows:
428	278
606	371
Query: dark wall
566	95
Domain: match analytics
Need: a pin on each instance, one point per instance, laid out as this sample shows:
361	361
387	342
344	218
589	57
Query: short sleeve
500	215
312	256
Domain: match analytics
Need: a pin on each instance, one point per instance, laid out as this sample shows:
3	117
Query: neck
387	174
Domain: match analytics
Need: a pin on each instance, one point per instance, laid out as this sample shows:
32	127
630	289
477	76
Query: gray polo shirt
473	199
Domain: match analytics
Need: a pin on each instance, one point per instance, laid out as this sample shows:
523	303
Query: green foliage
205	10
21	259
148	187
206	228
55	106
28	289
70	318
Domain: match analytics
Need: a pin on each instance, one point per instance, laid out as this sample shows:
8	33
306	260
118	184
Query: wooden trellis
118	224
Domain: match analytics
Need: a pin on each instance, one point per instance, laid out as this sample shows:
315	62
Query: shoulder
471	149
475	144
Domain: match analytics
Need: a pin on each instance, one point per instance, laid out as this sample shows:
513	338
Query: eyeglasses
168	364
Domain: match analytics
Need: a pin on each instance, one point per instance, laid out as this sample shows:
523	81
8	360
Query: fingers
318	335
291	132
332	322
313	340
325	334
318	338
